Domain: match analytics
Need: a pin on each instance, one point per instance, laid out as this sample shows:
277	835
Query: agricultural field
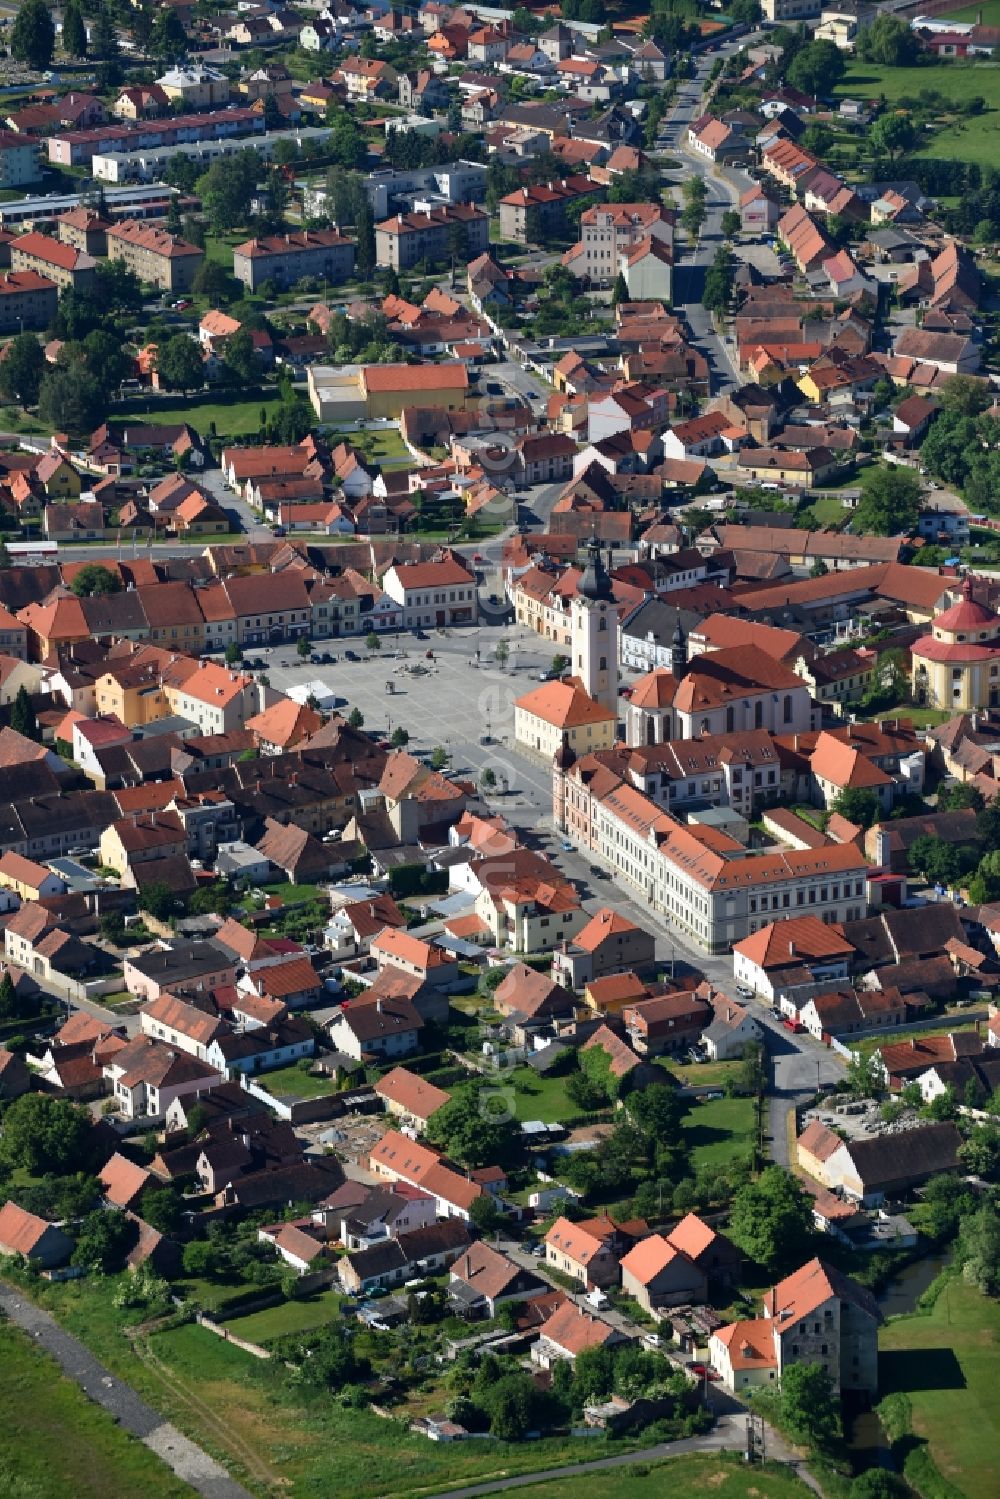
724	1478
944	1361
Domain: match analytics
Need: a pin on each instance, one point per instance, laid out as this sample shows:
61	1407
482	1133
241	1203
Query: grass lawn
718	1130
55	1441
703	1074
923	718
231	418
953	80
292	1082
945	1362
273	1436
988	11
723	1477
828	511
295	895
535	1097
382	445
290	1316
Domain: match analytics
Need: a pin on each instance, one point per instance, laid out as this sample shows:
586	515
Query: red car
703	1371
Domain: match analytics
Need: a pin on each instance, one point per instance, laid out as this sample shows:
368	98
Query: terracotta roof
122	1180
799	1294
649	1257
603	924
564	705
419	1097
819	1141
573	1330
622	1058
692	1236
20	1231
750	1344
781	944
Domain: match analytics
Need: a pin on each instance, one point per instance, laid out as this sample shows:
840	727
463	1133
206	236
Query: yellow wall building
957	666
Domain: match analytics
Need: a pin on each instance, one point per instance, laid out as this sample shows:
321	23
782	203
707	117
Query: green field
703	1074
290	1316
382	445
55	1441
535	1097
723	1477
718	1130
293	1082
955	80
231	418
945	1363
989	12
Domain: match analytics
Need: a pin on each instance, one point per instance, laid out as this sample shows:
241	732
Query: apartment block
287	258
530	213
27	300
407	238
19	164
64	264
156	257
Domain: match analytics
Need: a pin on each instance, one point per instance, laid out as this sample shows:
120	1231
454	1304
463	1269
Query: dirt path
190	1462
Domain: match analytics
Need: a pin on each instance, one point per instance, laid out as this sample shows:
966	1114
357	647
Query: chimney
791	949
378	1006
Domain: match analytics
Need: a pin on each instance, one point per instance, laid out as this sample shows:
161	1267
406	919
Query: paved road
728	1435
189	1462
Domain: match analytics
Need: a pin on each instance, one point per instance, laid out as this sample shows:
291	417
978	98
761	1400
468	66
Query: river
866	1439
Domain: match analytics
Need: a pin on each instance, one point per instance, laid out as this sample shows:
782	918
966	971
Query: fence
223	1332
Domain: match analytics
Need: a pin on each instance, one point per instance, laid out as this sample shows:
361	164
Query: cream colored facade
957	666
542	738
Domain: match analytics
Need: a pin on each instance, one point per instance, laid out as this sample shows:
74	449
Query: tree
356	718
865	1078
179	362
485	1214
858	805
889	504
439	757
9	1004
958	797
159	900
303	647
33	38
227	188
810	1406
658	1112
488	778
510	1402
400	738
74	32
21	370
771	1219
501	652
475	1127
817	69
240	357
894	134
731	221
233	653
168	38
980	1153
22	716
102	1240
373	641
745	12
104	36
43	1134
888	42
202	1260
620	290
879	1483
212	280
95	581
162	1206
964	395
71	400
979	1248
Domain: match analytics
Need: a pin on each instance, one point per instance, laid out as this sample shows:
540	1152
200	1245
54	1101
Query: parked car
351	656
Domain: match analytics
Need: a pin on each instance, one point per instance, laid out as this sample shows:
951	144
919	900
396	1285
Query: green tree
731	220
33	37
980	1154
889	504
964	395
103	1240
817	69
858	805
179	362
233	653
22	369
22	716
879	1483
9	1004
486	1214
240	358
74	32
894	134
71	400
303	647
400	738
162	1206
439	757
501	653
43	1134
771	1218
620	290
212	280
95	581
488	778
227	188
745	12
810	1406
159	900
168	38
356	718
979	1250
202	1260
889	42
104	36
957	797
373	641
511	1403
865	1078
475	1127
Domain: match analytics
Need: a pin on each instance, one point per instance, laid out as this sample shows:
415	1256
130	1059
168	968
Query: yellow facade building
957	666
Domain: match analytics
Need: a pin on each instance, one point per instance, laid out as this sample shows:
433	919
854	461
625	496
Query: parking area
454	698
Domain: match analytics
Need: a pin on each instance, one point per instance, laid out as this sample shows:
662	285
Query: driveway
189	1462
